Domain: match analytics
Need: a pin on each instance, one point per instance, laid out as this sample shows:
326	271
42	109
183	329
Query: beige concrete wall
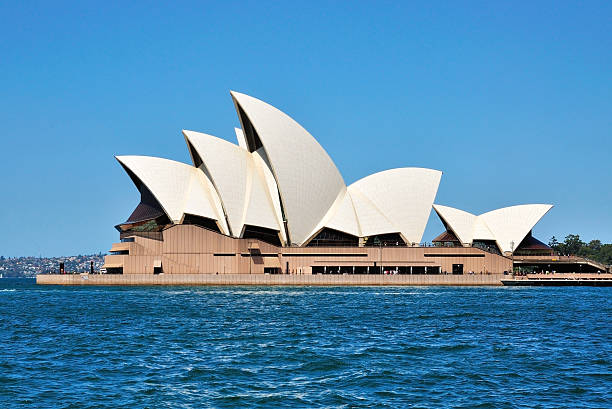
264	279
188	249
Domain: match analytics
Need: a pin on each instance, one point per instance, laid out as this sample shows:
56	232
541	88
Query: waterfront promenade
318	279
273	279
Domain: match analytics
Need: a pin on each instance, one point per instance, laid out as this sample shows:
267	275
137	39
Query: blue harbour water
262	347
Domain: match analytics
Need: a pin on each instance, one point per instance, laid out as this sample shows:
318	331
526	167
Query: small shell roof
508	226
511	224
179	188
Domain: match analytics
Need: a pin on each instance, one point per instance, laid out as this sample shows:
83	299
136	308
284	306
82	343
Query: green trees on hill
573	245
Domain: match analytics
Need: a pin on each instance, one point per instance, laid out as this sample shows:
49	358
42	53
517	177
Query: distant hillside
30	266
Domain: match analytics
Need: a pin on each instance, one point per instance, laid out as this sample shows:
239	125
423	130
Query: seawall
278	280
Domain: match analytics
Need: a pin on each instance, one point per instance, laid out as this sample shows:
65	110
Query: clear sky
511	100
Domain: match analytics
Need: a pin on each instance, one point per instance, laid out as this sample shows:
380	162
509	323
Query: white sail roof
507	226
307	179
511	224
371	220
179	188
481	230
341	216
240	185
240	137
460	222
344	217
261	164
201	194
404	196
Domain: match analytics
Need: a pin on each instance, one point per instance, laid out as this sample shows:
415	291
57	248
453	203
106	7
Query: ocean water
263	347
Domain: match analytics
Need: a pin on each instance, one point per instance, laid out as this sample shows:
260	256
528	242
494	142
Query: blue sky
511	100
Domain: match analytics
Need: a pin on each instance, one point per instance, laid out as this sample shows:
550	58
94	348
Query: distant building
276	203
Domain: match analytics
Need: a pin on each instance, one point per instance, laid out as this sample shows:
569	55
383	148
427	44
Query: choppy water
192	347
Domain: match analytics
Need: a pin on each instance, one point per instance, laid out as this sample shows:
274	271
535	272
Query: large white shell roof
241	187
308	180
278	177
508	226
404	196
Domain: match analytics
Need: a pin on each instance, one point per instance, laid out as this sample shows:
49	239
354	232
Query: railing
488	249
558	258
588	260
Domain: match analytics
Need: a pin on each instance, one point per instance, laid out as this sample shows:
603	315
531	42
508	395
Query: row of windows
376	270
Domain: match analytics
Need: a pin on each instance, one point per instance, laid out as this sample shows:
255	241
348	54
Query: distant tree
572	245
595	245
2	258
605	254
553	243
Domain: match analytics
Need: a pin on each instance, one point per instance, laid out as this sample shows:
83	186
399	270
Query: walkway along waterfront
328	280
273	279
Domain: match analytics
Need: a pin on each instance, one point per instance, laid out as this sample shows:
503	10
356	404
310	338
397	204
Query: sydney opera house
275	203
